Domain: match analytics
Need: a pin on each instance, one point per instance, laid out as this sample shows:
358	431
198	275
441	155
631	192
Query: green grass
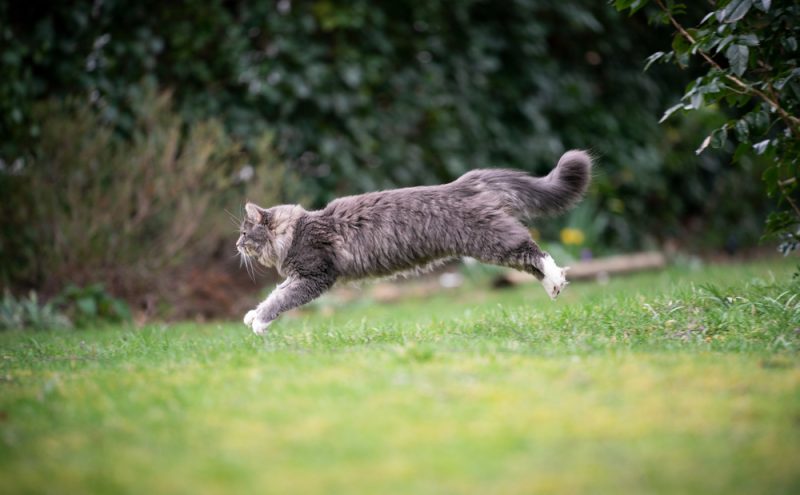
657	383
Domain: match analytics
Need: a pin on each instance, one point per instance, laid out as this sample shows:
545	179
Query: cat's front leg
260	326
293	292
251	320
250	317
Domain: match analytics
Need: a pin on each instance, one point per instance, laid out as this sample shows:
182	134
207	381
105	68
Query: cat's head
257	236
266	234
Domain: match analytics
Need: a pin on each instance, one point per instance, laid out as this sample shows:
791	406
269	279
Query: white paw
554	280
260	327
250	317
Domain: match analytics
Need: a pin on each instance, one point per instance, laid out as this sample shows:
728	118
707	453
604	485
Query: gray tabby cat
381	233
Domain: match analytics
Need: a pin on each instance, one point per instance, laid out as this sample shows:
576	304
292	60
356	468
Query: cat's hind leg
529	257
554	279
514	248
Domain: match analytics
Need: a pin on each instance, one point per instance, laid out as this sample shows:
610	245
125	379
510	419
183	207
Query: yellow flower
571	236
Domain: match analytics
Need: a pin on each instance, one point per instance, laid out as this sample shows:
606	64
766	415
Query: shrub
29	313
90	305
92	206
74	307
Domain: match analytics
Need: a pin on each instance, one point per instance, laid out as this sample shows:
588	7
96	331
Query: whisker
260	270
251	270
256	269
236	220
246	265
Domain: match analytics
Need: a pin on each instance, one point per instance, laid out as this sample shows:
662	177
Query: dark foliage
748	51
365	95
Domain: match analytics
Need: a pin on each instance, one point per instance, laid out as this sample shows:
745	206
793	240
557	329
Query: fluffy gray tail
528	197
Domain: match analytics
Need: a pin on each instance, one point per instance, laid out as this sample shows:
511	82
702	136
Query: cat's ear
256	214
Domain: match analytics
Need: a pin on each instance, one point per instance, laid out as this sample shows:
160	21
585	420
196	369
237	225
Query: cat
377	234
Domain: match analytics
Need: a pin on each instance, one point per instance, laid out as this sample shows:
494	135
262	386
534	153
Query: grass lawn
656	383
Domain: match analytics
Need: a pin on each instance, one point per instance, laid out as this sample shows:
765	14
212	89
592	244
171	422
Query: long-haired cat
480	215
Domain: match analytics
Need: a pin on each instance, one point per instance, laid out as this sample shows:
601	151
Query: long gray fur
482	214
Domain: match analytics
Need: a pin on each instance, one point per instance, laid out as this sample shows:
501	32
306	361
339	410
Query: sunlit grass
655	383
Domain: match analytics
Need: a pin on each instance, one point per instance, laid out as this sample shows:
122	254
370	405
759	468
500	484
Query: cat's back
380	233
392	204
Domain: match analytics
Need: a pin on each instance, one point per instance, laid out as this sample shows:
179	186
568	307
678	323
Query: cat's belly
380	263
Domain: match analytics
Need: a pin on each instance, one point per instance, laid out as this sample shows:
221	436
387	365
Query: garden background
132	131
132	134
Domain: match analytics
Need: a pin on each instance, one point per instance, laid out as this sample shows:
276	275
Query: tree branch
792	122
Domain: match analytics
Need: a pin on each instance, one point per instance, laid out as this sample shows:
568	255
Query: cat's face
256	239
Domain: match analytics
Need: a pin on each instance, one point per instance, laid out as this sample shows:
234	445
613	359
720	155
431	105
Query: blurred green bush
365	95
73	307
90	305
18	313
90	206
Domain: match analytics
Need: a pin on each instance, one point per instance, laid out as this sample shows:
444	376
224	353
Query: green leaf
761	146
735	99
633	5
652	59
707	17
670	111
742	130
723	43
681	48
737	56
680	44
120	310
759	121
748	39
719	137
780	83
734	11
87	305
696	101
703	145
765	5
779	221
